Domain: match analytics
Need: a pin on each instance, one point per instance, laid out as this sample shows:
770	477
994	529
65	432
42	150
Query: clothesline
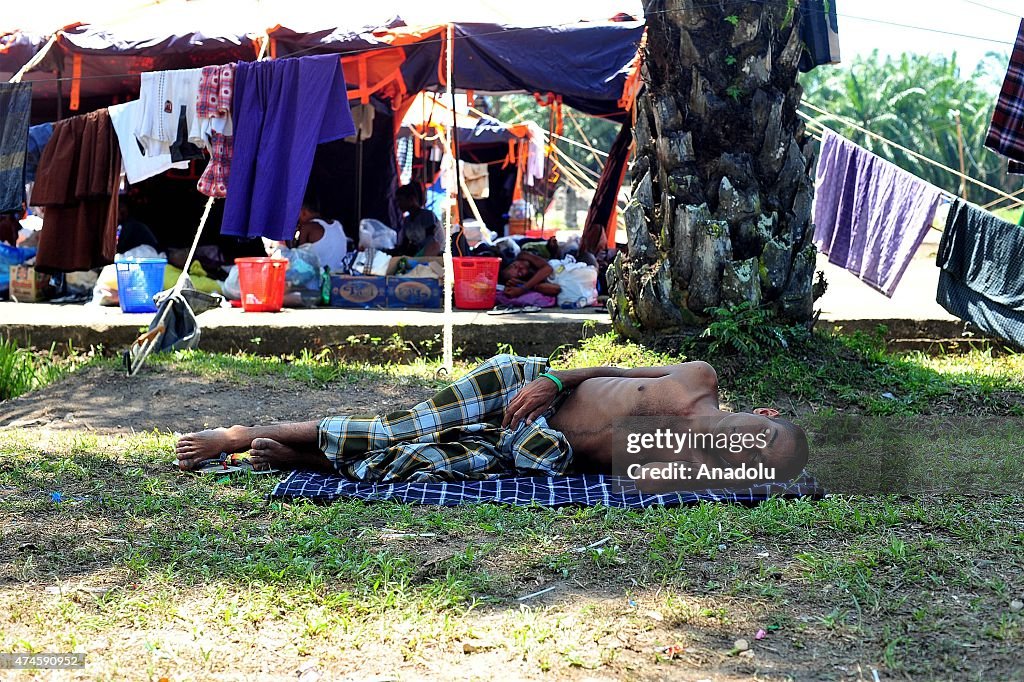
945	193
994	9
571	179
992	204
856	126
572	175
576	164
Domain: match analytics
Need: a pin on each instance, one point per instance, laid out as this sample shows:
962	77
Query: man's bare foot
194	448
266	452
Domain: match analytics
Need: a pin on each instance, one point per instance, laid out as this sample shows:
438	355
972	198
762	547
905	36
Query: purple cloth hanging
869	215
281	110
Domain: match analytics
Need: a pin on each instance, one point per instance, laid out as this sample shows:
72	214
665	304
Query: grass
160	575
1011	214
312	369
22	370
184	576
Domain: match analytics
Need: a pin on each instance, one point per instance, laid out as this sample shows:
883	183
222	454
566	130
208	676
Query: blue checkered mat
546	492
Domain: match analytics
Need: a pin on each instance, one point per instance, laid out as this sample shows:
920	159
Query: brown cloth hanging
599	229
77	183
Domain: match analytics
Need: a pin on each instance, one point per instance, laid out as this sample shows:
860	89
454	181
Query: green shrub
21	370
749	331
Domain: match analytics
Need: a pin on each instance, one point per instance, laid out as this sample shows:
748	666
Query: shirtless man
578	410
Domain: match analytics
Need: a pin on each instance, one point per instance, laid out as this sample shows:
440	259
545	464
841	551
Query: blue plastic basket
138	281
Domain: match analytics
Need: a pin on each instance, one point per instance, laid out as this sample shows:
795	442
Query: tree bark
721	207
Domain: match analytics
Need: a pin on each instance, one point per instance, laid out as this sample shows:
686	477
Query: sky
997	21
981	25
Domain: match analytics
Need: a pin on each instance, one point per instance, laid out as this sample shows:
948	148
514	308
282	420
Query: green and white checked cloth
454	436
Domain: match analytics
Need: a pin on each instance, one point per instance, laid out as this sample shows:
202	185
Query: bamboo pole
447	361
960	146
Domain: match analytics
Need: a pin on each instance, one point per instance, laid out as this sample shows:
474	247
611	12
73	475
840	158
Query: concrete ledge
292	330
929	336
476	333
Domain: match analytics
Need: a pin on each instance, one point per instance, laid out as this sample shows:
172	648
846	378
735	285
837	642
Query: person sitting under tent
419	233
514	416
9	228
131	232
327	238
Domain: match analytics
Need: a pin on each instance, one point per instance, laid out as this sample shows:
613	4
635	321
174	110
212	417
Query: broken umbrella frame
175	325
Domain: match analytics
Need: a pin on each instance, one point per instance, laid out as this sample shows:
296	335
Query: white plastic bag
105	290
373	234
303	271
231	288
577	280
371	262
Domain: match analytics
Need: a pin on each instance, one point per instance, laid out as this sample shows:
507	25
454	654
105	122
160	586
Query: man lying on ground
511	416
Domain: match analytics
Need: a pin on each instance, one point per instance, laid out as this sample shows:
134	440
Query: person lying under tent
514	416
528	272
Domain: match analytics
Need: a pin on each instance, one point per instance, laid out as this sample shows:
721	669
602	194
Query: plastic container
262	283
138	281
476	282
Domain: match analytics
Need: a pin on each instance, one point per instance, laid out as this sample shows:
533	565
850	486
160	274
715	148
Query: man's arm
538	395
539	276
309	233
571	378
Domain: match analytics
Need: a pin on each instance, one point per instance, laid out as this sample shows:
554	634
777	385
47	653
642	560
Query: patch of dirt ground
104	400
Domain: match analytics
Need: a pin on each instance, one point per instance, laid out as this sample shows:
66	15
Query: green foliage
733	19
1011	214
600	132
911	100
790	13
21	370
748	330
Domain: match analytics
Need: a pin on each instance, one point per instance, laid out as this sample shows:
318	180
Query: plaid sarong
1006	133
214	101
214	181
454	436
15	110
587	491
215	87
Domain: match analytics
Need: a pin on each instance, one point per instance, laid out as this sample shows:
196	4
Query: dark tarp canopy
588	64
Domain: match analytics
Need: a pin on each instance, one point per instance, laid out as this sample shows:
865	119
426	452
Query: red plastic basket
476	282
262	283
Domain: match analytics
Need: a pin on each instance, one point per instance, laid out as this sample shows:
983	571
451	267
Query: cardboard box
437	261
414	292
351	291
518	226
29	286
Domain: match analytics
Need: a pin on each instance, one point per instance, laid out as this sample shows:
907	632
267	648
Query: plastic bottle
325	286
580	302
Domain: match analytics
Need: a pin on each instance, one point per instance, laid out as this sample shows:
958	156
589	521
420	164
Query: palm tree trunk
722	194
